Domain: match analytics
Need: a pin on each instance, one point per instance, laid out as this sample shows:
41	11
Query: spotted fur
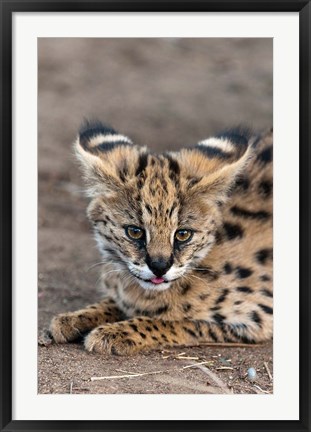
217	285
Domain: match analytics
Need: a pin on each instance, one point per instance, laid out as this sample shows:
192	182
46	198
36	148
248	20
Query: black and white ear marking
228	145
108	159
212	165
94	137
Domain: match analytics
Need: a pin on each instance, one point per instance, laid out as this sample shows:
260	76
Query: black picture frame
8	8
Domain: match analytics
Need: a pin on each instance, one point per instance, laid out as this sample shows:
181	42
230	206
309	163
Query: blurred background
163	93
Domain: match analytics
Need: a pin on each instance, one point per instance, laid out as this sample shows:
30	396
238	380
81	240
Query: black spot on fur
215	308
144	312
219	318
186	307
218	237
193	181
189	331
129	214
148	208
185	287
246	339
264	255
140	182
142	163
228	268
256	318
212	335
172	209
233	231
266	309
265	188
247	214
222	297
266	292
265	278
238	302
203	296
197	325
161	310
134	327
244	289
142	335
243	272
208	272
227	338
123	174
266	155
173	166
242	184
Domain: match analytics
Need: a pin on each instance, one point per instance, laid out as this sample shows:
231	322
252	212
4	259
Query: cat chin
148	286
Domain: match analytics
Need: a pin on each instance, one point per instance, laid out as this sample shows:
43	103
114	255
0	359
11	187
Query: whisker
97	282
196	277
202	269
128	279
190	276
112	271
100	263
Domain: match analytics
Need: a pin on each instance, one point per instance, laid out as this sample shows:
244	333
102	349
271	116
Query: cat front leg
142	333
67	327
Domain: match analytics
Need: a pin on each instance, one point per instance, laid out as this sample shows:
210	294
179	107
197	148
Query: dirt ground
165	93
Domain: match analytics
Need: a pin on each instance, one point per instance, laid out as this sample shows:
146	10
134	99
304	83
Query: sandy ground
165	93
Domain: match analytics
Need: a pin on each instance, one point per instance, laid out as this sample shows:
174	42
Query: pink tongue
157	280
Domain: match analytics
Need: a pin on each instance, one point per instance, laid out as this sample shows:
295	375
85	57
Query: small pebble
251	374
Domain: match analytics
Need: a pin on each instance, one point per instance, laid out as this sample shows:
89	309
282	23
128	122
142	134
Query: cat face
156	216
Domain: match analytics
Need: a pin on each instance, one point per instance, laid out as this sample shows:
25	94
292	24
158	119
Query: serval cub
185	239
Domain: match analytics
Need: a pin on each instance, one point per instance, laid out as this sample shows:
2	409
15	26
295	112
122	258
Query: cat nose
159	265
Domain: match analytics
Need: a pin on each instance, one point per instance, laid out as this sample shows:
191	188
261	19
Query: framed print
149	127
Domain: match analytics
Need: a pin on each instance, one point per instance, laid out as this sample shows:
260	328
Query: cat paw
112	339
63	328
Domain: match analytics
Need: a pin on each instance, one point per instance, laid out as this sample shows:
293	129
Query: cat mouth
157	280
154	281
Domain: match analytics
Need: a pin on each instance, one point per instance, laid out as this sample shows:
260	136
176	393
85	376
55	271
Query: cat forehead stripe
102	139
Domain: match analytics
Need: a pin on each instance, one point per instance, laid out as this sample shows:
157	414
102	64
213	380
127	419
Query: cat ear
108	158
212	166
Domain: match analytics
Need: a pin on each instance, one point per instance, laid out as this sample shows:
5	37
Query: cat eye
183	235
134	233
